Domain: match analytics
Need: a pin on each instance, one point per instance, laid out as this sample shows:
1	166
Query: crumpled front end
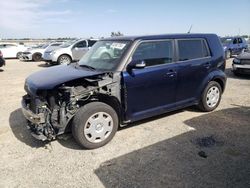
49	111
38	114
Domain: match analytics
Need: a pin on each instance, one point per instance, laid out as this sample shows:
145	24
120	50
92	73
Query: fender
216	75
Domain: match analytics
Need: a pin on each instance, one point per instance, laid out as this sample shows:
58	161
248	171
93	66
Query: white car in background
36	53
69	52
12	50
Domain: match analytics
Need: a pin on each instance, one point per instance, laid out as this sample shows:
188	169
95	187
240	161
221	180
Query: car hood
244	55
55	76
34	50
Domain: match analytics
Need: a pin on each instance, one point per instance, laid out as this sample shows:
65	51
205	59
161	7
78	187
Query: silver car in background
69	51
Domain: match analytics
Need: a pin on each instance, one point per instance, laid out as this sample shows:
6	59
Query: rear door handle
207	65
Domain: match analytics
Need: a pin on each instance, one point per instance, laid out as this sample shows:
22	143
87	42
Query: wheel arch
107	99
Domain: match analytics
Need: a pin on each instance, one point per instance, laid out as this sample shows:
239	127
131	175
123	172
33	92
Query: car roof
155	37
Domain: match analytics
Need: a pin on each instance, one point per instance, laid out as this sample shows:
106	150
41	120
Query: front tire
94	125
64	60
211	97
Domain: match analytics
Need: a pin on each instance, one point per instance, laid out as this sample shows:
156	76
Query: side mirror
137	64
76	48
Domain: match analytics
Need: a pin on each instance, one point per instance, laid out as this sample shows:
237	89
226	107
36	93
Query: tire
228	54
64	60
211	97
236	73
18	55
104	124
37	57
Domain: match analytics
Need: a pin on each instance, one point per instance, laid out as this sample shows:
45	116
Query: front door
151	90
79	49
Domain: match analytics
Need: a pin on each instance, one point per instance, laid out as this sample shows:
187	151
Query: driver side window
154	53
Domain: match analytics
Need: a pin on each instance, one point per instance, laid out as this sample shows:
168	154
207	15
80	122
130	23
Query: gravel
157	152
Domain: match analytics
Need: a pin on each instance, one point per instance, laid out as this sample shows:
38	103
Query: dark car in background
241	63
141	77
2	61
233	45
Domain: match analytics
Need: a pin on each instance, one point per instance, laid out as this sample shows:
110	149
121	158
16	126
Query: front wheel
94	125
211	97
64	60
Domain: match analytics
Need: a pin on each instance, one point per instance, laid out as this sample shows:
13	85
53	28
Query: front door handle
171	73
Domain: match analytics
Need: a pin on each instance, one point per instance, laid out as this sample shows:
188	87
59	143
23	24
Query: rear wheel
94	125
37	57
64	59
211	97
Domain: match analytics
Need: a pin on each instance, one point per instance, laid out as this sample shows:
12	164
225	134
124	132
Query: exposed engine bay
50	112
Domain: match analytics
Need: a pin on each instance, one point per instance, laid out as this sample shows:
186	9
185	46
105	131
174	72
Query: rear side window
81	44
239	40
91	42
154	53
192	49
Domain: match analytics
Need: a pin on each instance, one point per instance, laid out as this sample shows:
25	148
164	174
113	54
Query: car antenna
190	28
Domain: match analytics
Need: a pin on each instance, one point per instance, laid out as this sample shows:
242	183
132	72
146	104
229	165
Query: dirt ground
185	148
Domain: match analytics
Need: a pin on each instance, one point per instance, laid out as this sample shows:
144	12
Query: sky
98	18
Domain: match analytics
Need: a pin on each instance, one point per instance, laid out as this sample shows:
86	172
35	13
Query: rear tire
236	73
37	57
94	125
211	97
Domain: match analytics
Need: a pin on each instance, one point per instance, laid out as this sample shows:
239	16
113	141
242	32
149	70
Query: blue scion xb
122	80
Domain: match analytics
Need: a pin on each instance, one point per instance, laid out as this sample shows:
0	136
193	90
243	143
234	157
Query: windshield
45	46
67	44
226	40
104	55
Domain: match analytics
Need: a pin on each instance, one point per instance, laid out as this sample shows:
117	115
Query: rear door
194	63
79	49
151	90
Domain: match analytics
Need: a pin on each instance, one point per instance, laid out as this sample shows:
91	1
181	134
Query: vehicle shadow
18	125
45	65
1	70
216	153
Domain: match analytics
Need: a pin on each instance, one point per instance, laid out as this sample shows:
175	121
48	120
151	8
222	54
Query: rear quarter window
192	49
